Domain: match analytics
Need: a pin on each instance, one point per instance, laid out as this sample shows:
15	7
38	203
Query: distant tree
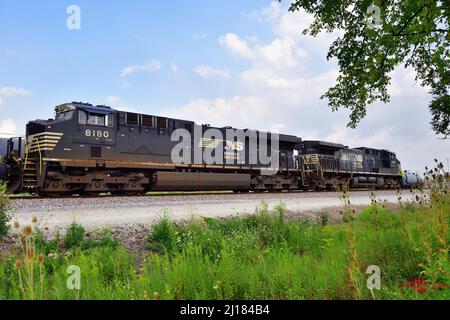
379	35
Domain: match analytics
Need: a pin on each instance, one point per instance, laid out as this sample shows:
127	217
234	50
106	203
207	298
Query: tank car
411	180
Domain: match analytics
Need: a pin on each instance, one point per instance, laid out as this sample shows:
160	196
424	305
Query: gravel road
119	212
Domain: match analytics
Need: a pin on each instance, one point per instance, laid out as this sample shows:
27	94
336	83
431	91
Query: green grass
256	257
4	208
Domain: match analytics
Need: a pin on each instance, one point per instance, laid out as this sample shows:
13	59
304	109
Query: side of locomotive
94	149
326	165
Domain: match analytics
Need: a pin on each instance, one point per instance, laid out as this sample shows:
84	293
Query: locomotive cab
78	130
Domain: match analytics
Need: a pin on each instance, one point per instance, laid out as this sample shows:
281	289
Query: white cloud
236	45
174	68
404	84
271	13
278	59
11	92
116	103
223	111
112	100
151	66
14	91
292	24
7	127
377	139
206	71
277	127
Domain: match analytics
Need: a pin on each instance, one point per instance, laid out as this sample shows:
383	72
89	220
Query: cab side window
96	119
85	117
82	117
109	120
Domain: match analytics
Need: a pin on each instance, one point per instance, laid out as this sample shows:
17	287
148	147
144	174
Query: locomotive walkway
127	211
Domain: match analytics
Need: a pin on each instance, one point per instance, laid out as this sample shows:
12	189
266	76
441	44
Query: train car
411	180
3	157
87	149
329	165
10	162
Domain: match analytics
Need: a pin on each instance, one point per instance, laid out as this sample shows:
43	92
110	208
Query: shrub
4	208
105	241
162	235
323	218
74	235
74	238
46	246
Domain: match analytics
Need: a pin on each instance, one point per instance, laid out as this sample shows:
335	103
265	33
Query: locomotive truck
87	149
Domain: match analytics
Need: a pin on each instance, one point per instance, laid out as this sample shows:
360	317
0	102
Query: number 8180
96	133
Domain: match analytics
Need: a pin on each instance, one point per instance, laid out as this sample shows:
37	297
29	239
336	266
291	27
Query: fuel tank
200	181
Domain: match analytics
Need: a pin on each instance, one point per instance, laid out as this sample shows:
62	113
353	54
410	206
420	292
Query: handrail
40	157
26	154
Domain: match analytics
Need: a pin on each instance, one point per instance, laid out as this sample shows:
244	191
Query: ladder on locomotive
31	169
310	168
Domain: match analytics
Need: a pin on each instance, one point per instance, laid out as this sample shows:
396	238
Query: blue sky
240	63
38	52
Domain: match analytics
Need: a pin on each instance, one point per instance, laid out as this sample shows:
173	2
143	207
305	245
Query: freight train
87	149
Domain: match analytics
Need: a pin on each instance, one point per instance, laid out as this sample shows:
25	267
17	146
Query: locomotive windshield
67	115
64	112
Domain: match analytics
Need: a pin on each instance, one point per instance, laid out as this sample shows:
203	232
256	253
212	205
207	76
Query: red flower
416	281
420	285
440	286
420	288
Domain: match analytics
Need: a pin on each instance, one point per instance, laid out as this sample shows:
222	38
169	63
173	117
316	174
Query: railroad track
181	193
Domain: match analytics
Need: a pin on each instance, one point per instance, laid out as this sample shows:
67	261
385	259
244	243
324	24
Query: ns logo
234	145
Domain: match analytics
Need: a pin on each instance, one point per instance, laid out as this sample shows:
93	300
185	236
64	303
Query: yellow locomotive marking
44	141
117	164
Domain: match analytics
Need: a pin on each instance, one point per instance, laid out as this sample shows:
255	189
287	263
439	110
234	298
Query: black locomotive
90	149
